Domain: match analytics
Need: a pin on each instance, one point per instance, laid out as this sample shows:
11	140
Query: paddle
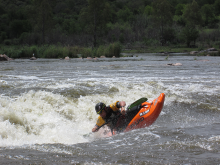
138	102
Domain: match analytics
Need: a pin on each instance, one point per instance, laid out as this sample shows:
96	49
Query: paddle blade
138	102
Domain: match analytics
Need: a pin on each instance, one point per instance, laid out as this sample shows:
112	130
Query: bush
7	42
53	52
73	51
27	52
201	47
100	51
3	36
87	52
34	50
113	50
65	52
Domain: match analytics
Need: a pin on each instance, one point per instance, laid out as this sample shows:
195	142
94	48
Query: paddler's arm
100	122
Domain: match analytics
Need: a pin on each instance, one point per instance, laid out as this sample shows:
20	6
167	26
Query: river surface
47	108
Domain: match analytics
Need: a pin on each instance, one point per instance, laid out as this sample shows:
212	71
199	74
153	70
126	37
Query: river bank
60	52
111	50
171	49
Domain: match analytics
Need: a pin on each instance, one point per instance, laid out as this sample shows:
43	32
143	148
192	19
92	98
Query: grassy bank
114	49
168	49
56	51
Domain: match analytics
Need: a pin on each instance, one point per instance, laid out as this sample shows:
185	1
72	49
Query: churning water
47	106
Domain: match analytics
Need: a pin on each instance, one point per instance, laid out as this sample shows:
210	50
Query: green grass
170	48
54	51
209	30
113	49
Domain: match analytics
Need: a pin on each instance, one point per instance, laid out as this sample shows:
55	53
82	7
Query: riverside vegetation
94	28
111	50
59	51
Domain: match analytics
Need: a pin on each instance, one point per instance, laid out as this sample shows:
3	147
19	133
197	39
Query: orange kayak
143	116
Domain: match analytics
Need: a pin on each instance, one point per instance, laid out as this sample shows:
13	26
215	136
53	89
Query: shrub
113	49
34	50
54	51
65	52
87	52
73	51
100	51
7	42
3	36
51	52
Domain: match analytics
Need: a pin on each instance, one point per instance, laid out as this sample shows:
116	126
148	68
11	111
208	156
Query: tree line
92	23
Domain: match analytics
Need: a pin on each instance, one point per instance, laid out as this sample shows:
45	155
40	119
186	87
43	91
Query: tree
17	27
217	7
169	34
95	16
2	9
148	10
43	8
162	15
208	15
192	17
124	15
191	14
136	6
203	2
189	34
179	9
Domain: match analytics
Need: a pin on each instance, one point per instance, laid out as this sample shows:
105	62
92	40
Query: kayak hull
146	116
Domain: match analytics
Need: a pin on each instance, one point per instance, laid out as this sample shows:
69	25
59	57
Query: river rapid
47	108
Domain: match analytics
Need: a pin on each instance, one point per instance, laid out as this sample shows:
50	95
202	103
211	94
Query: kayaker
107	113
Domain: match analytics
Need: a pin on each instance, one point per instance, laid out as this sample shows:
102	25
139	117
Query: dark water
46	106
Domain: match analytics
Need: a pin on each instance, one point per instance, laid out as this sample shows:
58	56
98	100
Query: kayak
140	116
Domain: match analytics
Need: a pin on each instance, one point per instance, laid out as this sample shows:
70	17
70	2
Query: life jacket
111	117
111	111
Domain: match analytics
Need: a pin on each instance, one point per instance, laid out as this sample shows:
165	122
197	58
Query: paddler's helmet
99	107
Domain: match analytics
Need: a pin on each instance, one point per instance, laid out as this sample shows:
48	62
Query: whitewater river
47	106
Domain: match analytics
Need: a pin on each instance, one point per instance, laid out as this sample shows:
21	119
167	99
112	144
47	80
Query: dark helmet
99	107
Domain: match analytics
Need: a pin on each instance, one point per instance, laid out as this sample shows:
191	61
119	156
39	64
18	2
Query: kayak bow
148	114
140	116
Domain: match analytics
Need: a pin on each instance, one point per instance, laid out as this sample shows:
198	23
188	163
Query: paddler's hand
123	112
95	129
122	105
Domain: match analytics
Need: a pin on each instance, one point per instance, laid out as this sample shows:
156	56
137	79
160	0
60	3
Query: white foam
42	117
39	117
26	77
